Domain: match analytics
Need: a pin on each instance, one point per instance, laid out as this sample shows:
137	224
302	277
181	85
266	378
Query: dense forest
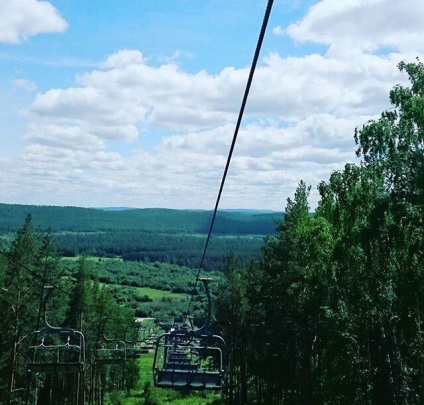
180	249
48	302
149	235
148	220
328	313
332	313
29	269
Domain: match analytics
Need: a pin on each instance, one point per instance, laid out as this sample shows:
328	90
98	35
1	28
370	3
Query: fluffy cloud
126	94
366	24
72	137
185	170
300	127
298	123
21	19
24	84
278	30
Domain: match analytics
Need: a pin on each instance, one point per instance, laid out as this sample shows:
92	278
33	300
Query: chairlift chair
187	359
56	350
136	346
110	350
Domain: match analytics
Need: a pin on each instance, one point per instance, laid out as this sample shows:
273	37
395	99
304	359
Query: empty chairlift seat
111	352
56	350
189	360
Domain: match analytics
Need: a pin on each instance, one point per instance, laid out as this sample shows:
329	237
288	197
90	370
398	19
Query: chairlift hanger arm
209	310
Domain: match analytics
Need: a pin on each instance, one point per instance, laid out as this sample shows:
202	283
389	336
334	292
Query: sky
133	103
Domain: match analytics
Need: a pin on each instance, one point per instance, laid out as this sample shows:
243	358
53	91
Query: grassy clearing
159	295
146	394
93	259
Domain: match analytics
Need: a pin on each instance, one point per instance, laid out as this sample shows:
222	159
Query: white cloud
185	170
295	87
24	84
298	123
122	59
126	94
63	136
302	114
278	30
21	19
365	24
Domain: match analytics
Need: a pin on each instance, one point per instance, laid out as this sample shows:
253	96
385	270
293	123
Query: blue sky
134	103
201	35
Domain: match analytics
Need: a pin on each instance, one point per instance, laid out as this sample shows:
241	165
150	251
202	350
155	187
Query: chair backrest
54	350
189	360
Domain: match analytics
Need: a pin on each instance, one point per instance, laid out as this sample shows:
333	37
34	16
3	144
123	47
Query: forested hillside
157	220
149	235
180	249
132	283
333	312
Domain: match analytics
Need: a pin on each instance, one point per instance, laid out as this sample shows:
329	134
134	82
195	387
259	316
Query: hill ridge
162	220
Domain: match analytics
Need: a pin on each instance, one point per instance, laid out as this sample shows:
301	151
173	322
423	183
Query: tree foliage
29	267
337	297
329	313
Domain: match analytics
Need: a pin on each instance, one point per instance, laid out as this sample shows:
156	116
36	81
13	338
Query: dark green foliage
149	396
332	314
179	249
232	315
21	293
124	278
28	266
150	220
161	276
149	235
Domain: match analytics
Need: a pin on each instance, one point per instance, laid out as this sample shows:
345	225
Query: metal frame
180	357
56	350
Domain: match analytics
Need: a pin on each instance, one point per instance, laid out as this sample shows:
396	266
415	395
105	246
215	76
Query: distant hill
250	211
149	235
115	208
149	220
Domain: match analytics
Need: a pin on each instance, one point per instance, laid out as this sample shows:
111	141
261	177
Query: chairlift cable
171	370
230	154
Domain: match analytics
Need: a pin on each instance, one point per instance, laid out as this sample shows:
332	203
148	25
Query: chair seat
71	367
190	380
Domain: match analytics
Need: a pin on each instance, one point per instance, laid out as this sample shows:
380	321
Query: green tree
79	295
20	302
231	313
395	144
